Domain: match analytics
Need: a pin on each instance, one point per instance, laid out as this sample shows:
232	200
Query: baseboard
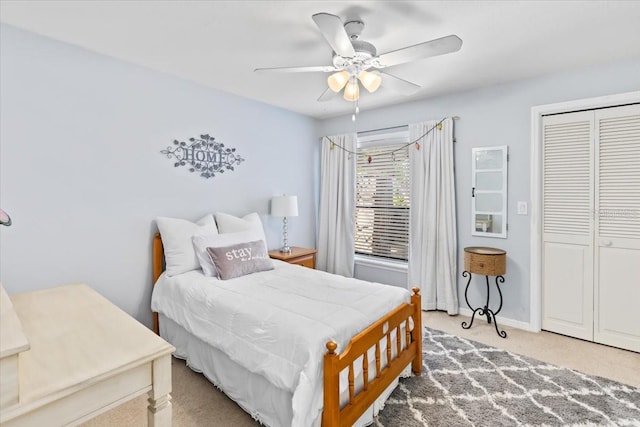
519	324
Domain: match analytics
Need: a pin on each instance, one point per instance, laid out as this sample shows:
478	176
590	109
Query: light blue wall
82	176
498	115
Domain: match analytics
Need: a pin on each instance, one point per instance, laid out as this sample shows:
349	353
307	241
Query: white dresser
79	355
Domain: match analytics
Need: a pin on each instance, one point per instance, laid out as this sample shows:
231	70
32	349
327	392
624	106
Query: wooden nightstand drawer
307	261
299	256
487	261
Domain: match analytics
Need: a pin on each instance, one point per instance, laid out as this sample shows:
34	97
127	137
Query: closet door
567	291
617	224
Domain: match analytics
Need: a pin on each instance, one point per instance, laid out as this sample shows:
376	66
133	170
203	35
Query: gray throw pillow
241	259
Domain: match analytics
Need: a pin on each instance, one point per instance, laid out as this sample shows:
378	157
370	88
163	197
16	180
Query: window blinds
382	202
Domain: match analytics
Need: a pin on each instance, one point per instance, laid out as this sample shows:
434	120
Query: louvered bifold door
617	249
567	206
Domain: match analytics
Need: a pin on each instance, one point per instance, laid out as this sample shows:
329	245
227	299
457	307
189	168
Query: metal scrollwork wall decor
203	155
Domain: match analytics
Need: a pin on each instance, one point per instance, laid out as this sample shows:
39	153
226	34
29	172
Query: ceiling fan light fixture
352	57
352	91
338	80
370	80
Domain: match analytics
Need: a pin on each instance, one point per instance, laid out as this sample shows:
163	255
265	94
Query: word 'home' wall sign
203	155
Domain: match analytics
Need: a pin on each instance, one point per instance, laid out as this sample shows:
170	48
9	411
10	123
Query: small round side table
490	262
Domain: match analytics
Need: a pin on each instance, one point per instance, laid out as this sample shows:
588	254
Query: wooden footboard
407	351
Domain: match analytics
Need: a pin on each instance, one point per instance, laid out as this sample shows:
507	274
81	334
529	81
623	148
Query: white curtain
337	205
433	240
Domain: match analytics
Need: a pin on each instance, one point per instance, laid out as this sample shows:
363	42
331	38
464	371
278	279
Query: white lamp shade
284	206
352	91
370	80
337	80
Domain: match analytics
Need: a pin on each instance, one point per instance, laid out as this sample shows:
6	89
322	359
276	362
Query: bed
298	381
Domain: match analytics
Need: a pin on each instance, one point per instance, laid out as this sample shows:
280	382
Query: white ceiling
219	43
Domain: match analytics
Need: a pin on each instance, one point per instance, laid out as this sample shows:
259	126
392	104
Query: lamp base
285	249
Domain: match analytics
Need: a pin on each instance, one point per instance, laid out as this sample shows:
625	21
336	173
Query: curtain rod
437	125
394	127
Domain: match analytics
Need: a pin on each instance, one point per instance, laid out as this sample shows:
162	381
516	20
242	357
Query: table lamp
284	206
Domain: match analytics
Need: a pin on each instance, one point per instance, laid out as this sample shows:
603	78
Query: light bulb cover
352	91
337	81
371	80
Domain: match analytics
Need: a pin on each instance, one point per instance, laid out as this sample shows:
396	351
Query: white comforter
276	323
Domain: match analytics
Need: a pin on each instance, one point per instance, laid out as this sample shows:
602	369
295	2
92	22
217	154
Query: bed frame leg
416	333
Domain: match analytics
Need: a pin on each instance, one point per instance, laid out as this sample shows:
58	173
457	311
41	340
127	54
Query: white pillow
232	224
179	254
212	240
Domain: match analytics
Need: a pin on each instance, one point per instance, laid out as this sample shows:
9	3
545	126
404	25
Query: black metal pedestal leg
477	310
484	311
486	306
503	334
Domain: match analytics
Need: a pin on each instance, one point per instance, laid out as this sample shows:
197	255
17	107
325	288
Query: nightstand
490	262
300	256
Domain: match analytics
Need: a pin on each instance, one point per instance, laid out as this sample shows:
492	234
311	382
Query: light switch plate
522	208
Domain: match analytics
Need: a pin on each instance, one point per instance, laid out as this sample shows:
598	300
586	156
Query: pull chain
356	111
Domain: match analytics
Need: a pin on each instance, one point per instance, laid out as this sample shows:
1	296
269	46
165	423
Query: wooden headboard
158	257
157	267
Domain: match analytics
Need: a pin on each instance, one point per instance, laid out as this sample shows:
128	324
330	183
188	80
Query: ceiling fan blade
321	68
399	85
435	47
332	29
327	95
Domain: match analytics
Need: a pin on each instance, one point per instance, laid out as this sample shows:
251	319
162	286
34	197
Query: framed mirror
489	191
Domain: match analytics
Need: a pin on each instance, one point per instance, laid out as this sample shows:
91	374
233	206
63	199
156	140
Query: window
382	196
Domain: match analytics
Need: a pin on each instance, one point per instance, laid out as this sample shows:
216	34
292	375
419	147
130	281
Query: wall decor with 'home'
203	155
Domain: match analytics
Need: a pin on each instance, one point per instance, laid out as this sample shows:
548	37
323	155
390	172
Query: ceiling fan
357	60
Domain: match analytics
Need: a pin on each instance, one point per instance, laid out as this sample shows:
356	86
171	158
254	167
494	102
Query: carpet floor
197	403
466	383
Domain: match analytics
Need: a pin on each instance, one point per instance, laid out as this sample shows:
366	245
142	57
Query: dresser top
76	337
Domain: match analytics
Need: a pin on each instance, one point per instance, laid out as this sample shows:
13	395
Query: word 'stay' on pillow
240	259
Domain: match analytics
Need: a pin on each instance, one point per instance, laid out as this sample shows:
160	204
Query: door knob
606	242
